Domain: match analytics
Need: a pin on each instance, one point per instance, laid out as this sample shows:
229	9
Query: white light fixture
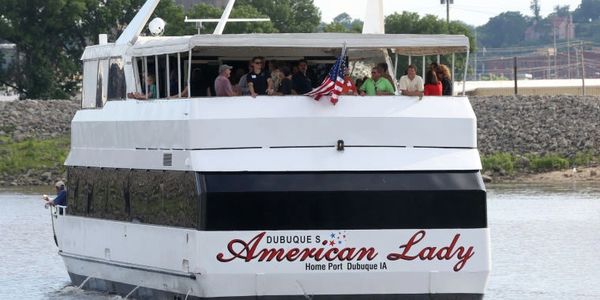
157	26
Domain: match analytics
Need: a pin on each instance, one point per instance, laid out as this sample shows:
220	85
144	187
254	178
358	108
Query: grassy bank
507	164
36	155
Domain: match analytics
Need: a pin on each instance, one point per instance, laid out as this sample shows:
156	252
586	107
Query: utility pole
569	45
555	52
447	2
582	69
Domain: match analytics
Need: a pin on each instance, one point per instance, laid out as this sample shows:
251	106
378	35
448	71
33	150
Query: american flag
333	83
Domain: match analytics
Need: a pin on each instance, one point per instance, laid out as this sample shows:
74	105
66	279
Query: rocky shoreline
563	125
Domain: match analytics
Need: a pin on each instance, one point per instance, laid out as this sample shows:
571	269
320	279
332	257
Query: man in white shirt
411	84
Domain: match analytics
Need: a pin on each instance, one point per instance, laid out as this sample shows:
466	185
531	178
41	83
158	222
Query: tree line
508	28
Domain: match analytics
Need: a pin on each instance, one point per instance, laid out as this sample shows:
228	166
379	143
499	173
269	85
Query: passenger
386	74
443	74
285	78
301	83
242	85
411	84
275	73
376	85
61	196
433	87
259	80
349	88
152	94
223	86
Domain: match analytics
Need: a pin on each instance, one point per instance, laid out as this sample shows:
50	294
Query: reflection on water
544	241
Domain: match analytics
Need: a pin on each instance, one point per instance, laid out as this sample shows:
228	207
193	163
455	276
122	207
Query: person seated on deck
61	196
285	79
349	88
411	84
433	87
242	85
376	85
259	80
223	86
152	91
443	74
386	73
301	83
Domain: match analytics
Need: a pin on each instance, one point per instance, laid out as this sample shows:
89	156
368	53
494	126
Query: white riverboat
273	197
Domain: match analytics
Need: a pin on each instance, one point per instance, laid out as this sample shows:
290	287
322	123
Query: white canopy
301	44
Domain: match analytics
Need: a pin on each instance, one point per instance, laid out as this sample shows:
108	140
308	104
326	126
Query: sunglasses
258	62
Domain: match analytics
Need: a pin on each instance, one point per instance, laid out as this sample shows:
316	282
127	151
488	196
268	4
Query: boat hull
163	262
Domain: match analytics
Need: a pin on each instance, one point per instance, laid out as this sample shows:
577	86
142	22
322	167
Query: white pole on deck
146	74
221	25
438	59
156	80
410	60
374	21
396	67
168	77
452	71
465	75
189	87
179	73
423	74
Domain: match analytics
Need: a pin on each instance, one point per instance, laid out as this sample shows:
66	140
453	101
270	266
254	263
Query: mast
374	22
133	30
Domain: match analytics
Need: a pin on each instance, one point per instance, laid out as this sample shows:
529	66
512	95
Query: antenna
223	20
200	21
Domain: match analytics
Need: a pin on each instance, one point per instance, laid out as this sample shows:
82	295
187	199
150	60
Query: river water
545	245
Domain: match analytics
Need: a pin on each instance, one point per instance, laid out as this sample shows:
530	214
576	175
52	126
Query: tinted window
152	197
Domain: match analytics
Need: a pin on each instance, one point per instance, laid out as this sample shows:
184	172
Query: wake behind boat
273	197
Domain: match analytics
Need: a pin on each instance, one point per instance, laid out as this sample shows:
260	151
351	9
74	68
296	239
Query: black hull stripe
147	293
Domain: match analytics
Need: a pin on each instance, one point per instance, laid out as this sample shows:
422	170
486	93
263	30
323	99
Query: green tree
588	11
411	23
535	9
51	35
504	30
288	15
344	23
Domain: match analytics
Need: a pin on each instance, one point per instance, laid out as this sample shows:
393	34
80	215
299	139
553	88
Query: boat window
343	200
116	80
102	83
149	197
88	95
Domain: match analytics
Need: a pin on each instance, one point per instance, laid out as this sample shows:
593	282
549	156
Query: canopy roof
301	44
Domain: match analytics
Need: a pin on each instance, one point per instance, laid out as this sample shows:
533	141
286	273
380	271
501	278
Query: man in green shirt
376	85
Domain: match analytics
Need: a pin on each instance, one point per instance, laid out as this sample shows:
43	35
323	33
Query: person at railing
411	84
61	196
443	74
386	73
433	87
349	88
242	85
376	85
152	91
301	83
223	86
285	79
259	80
